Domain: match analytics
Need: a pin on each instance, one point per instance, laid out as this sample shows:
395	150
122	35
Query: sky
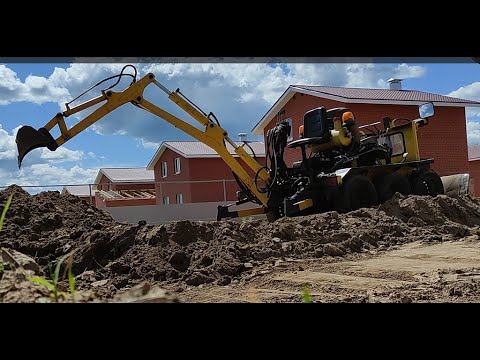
239	94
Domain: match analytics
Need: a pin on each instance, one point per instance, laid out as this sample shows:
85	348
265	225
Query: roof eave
291	90
286	96
156	156
159	153
99	177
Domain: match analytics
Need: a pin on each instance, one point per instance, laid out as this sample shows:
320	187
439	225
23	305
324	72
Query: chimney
395	84
242	136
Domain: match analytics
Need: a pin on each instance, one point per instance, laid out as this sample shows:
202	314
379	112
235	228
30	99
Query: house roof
79	190
197	149
474	152
364	96
125	175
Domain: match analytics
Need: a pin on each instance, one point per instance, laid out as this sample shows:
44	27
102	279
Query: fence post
224	191
161	193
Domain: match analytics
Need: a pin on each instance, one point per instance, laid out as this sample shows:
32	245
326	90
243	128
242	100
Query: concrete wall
159	214
474	167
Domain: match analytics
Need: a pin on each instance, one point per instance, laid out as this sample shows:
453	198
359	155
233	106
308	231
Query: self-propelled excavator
343	166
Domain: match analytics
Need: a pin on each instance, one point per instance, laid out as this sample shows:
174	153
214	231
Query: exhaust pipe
29	139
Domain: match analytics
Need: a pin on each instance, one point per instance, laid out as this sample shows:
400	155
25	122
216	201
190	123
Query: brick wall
444	138
213	170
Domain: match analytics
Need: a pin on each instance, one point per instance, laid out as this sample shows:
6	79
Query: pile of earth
112	256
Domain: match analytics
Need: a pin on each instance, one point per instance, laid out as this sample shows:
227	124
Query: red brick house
192	172
84	192
124	187
474	169
444	139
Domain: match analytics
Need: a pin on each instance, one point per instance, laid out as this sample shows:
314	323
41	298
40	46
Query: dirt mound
47	225
113	256
462	210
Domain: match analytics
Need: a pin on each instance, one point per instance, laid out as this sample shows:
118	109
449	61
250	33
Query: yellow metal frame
409	132
213	135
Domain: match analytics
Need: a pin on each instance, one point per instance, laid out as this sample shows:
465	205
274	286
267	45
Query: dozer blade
28	139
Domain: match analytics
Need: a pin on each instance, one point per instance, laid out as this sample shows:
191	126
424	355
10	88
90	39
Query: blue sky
238	94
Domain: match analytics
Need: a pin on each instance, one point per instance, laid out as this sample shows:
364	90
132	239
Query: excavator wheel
358	192
273	215
388	184
426	182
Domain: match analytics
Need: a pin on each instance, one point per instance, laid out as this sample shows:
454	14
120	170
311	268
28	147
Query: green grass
5	209
4	212
53	282
306	296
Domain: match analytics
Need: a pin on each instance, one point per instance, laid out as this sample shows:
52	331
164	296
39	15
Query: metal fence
153	214
224	188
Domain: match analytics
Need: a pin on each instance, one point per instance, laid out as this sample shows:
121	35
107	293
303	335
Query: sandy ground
416	272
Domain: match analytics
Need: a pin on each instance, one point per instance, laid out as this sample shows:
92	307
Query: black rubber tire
273	215
359	192
427	182
387	185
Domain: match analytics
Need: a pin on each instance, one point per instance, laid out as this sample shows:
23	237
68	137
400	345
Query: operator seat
317	124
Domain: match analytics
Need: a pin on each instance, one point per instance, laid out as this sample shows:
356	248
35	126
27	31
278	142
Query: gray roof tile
199	149
79	190
383	94
128	174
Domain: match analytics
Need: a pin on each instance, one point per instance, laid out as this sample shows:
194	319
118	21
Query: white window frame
176	166
179	198
166	200
290	137
164	169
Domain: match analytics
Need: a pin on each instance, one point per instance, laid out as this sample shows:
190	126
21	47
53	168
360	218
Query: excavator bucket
28	139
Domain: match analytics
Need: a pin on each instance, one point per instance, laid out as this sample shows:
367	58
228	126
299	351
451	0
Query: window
397	143
179	198
290	136
166	200
164	169
176	166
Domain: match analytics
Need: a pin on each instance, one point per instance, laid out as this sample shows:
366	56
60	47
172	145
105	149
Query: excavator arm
212	133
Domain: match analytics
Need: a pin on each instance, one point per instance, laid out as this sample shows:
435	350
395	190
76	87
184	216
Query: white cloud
7	145
469	92
61	154
404	71
473	133
52	174
35	89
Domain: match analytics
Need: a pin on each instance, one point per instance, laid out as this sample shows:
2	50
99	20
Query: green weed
4	212
306	296
53	282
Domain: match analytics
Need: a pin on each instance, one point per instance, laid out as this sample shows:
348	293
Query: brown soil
224	261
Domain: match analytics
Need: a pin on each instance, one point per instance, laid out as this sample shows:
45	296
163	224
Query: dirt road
416	272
